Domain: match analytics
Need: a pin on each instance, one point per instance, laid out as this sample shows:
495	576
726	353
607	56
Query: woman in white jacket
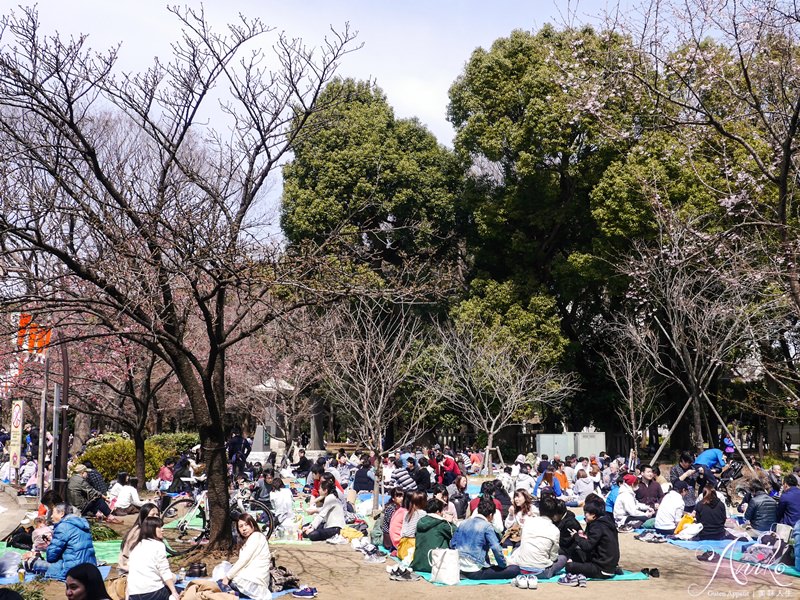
538	551
149	575
250	573
627	511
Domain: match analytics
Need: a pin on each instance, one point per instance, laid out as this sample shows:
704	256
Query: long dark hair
144	512
147	530
710	497
247	518
416	501
91	579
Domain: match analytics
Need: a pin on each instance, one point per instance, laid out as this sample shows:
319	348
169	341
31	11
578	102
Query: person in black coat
711	513
302	466
502	497
600	542
421	475
568	525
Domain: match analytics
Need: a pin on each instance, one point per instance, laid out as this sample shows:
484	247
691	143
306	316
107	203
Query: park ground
339	572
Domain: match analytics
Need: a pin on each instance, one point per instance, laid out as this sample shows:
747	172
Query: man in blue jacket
71	545
789	502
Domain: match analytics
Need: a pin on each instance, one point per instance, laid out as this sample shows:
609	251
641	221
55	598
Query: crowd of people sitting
518	526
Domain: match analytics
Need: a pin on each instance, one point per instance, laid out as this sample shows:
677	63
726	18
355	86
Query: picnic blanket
181	585
718	546
104	571
104	551
626	576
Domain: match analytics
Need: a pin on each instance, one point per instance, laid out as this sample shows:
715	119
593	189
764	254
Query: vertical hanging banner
30	343
15	444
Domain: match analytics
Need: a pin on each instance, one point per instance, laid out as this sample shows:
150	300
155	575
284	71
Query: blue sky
414	50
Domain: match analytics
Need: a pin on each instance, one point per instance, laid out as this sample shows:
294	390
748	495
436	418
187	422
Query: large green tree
541	119
383	182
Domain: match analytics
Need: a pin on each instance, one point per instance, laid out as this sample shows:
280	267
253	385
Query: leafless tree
145	215
699	310
483	376
376	351
274	373
633	377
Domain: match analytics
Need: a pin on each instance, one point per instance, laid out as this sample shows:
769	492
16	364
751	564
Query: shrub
120	455
175	442
32	590
771	459
105	438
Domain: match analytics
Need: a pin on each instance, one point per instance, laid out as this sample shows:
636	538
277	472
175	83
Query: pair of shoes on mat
402	573
305	592
337	539
525	582
572	580
651	572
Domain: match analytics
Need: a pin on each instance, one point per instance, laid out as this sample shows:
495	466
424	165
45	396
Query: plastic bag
221	570
9	564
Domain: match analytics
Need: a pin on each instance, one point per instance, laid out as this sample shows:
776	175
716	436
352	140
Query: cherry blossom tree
146	217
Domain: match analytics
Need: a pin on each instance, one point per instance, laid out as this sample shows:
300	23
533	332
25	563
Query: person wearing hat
85	498
628	513
671	509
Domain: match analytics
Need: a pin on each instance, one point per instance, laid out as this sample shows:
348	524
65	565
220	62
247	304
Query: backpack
376	535
281	578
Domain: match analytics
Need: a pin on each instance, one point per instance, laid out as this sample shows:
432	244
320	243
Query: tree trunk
697	424
315	441
487	457
138	444
774	436
80	433
212	438
759	438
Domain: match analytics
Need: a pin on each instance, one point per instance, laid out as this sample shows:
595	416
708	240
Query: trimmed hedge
120	455
179	442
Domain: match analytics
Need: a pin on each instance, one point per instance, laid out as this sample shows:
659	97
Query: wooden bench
334	448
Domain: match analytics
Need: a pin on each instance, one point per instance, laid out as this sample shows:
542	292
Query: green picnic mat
104	551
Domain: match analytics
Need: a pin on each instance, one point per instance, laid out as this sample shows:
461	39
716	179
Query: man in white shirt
671	509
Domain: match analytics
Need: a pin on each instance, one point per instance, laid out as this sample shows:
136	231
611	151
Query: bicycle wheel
261	513
185	526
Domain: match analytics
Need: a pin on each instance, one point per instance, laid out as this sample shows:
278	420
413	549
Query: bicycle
187	523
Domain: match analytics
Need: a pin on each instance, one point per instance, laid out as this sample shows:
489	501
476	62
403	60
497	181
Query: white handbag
444	566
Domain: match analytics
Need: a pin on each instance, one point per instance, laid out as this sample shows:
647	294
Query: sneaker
337	540
625	529
368	548
305	592
569	579
374	559
582	581
525	582
405	575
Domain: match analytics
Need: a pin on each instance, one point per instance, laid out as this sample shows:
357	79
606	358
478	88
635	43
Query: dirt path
339	572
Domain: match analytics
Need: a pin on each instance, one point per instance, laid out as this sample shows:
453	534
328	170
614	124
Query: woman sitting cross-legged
473	540
329	519
417	505
249	575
